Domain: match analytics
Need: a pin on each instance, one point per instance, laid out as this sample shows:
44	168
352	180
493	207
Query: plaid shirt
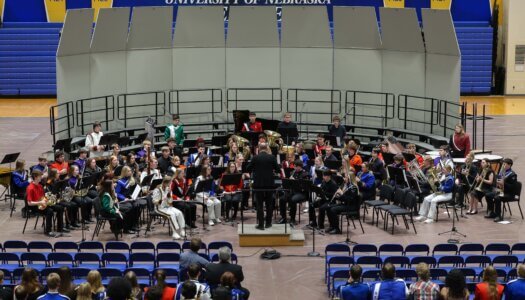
424	290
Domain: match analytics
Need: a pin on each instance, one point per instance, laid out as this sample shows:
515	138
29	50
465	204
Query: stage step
274	236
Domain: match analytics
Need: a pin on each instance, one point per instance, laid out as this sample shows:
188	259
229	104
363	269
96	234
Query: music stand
219	140
288	134
413	184
408	157
397	175
189	143
310	153
333	164
288	172
251	136
388	158
9	159
232	179
332	139
204	185
64	144
147	180
108	140
215	159
454	230
118	170
216	172
154	183
192	150
193	172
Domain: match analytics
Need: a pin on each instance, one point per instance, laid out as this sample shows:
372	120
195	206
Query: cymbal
272	133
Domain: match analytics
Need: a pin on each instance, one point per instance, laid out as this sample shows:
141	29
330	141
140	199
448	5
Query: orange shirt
355	161
482	291
59	166
233	188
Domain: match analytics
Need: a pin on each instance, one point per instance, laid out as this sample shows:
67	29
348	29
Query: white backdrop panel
356	27
305	26
76	33
151	27
111	30
199	26
400	30
252	67
195	68
252	26
149	70
307	68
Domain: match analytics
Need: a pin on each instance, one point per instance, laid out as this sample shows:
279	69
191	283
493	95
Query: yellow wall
1	9
440	4
98	4
55	10
394	3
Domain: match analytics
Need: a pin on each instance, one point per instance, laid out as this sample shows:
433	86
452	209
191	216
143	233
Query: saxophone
433	179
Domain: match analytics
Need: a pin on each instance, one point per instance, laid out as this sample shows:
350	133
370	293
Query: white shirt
93	139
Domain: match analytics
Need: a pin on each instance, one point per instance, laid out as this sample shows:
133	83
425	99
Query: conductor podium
273	236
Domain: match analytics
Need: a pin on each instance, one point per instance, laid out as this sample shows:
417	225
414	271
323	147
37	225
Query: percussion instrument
461	161
494	160
433	154
5	177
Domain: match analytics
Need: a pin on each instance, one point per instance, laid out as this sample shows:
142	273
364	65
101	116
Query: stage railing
412	105
387	104
104	104
274	96
445	116
69	116
293	97
176	98
124	110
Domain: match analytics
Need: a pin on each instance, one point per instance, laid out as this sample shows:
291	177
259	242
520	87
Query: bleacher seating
441	258
27	57
113	259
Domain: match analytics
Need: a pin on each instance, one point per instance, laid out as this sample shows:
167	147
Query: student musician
299	151
175	131
175	165
428	170
232	194
164	160
51	187
81	161
289	162
174	149
131	162
42	167
366	183
505	190
37	202
467	175
353	158
318	166
328	154
127	206
377	166
483	184
239	160
110	208
293	197
230	155
349	201
428	209
60	164
253	125
195	159
411	149
337	129
93	141
262	139
142	154
319	145
179	193
20	178
287	124
208	197
443	159
459	142
329	187
151	169
163	200
81	198
112	165
91	167
115	151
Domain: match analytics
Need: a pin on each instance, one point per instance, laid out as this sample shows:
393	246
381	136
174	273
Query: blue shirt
53	296
122	189
515	289
368	180
190	257
355	291
20	180
390	289
448	184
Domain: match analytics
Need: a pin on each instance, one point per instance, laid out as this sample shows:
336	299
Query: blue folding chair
337	263
168	261
477	263
408	275
10	261
45	272
8	277
512	274
429	260
505	262
449	262
496	249
60	259
398	261
390	250
371	276
79	274
369	262
518	250
470	277
335	249
40	246
93	247
170	247
143	247
108	273
172	276
35	260
444	249
143	275
87	260
186	246
215	246
339	279
438	275
16	247
115	261
465	250
118	247
412	250
65	246
364	250
142	260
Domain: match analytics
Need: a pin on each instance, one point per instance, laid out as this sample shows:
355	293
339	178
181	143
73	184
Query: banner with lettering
440	4
394	3
55	10
1	10
98	4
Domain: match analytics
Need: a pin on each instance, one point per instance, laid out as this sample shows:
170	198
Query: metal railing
408	107
176	98
123	109
353	101
293	97
275	97
69	116
445	117
107	106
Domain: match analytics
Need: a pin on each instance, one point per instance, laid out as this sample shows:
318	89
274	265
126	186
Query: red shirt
254	127
180	186
461	143
34	192
59	166
482	291
319	149
233	187
168	293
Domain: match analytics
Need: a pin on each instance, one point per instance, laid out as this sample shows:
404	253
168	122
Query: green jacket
107	204
174	132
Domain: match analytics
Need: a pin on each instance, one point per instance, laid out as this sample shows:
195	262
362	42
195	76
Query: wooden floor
294	276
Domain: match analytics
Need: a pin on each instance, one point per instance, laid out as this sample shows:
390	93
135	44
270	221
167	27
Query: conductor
262	168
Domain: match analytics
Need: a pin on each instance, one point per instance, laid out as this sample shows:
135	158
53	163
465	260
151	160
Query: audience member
189	257
6	293
83	291
67	287
424	288
53	283
489	289
515	289
389	287
189	290
154	293
29	287
228	280
136	291
167	292
97	289
355	289
215	271
203	290
455	286
222	293
119	289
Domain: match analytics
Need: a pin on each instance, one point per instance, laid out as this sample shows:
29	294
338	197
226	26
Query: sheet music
135	192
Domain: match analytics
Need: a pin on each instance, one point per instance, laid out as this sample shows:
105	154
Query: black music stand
318	191
454	230
413	184
288	172
251	136
388	158
219	140
333	164
155	183
215	159
64	144
147	180
216	172
233	179
193	172
118	170
108	140
310	153
10	158
408	157
332	139
204	185
288	134
397	175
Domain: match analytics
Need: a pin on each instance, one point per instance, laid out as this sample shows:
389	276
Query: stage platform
273	236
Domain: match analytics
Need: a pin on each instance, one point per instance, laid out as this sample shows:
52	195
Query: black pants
117	224
71	209
48	215
231	201
263	198
322	212
130	212
292	200
493	203
85	204
188	209
333	214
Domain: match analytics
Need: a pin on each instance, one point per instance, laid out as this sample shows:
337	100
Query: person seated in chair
428	208
354	289
294	197
506	184
202	292
389	288
348	198
215	271
366	183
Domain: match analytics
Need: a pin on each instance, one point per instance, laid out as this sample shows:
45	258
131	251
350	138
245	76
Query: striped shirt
424	290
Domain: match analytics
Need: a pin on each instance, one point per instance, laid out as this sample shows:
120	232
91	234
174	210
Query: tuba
274	139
